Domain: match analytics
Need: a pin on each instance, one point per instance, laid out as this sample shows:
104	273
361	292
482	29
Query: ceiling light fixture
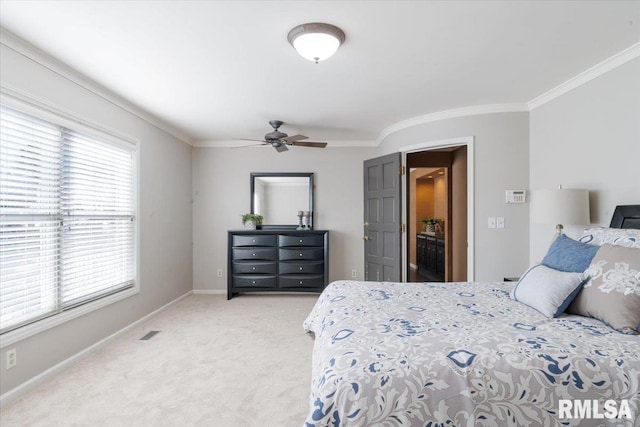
316	41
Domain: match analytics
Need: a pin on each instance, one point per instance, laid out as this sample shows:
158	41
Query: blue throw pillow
566	254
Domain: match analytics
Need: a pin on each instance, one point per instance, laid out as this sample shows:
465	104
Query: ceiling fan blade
309	144
250	145
293	138
280	148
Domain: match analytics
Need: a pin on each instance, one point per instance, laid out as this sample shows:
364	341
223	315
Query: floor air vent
149	335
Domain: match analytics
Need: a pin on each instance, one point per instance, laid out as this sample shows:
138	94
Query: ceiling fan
280	140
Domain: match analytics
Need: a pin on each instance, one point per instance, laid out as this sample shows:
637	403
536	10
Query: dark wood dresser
277	260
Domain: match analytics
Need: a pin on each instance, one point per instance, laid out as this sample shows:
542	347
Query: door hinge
402	228
402	170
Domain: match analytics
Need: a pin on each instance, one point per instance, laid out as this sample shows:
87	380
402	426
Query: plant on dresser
277	260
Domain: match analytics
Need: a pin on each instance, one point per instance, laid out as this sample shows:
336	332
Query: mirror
278	197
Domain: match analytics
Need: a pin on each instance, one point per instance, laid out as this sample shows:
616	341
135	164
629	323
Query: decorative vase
250	225
431	228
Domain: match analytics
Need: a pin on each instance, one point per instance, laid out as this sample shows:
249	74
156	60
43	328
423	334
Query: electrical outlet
219	272
492	222
354	273
12	358
500	222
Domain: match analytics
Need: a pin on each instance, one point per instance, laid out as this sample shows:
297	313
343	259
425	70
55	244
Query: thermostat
516	196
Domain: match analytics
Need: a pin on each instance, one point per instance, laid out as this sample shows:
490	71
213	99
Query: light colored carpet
244	362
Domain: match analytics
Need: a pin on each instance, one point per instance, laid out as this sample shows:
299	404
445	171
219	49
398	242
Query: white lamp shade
316	46
562	206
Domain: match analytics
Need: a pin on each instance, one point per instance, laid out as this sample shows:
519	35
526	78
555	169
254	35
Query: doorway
384	192
428	216
438	213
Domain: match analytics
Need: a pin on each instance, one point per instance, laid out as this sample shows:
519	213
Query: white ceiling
221	70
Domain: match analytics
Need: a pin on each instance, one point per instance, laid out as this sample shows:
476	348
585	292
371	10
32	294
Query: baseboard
29	385
209	292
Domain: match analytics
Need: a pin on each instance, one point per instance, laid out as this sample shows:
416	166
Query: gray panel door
382	210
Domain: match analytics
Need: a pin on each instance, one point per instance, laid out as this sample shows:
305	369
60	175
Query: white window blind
66	219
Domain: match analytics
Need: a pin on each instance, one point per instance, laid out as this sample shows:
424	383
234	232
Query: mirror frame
309	175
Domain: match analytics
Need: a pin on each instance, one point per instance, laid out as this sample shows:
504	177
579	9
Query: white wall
221	189
589	138
501	143
164	220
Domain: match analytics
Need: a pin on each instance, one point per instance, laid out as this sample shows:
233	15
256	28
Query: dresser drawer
301	281
253	240
254	281
310	267
301	240
301	254
254	254
254	267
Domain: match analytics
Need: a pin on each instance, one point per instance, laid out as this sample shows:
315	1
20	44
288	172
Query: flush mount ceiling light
316	41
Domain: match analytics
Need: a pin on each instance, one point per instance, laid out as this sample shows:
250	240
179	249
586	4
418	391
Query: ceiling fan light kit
316	41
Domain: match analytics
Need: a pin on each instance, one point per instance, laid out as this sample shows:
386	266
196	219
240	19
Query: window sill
58	319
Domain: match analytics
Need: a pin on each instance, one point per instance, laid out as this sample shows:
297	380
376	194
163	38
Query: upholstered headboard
627	216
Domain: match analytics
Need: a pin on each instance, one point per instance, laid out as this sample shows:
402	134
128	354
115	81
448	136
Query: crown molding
31	52
597	70
237	144
451	114
24	48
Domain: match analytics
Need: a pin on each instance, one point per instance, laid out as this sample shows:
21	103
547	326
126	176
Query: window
67	218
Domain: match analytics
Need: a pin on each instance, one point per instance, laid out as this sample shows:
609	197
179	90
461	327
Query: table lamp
561	206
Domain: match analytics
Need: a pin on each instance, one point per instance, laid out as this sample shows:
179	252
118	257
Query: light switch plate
492	222
500	222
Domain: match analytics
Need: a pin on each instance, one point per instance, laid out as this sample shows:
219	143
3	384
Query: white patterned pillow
627	237
612	293
547	290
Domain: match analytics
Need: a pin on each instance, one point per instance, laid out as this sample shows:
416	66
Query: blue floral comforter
459	354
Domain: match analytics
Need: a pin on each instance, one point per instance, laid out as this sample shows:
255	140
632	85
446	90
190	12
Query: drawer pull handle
300	254
254	282
300	268
300	240
253	241
254	254
301	282
253	268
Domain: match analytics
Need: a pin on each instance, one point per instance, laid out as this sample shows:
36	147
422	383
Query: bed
469	354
